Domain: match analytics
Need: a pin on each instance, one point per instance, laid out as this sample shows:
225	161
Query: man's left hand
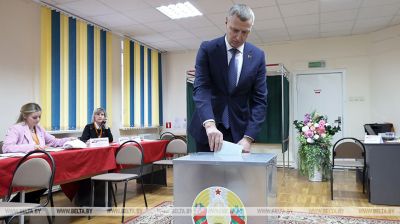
246	143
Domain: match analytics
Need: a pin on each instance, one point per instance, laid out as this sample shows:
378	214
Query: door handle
338	120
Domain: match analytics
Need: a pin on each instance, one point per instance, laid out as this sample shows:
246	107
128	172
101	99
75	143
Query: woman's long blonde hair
28	109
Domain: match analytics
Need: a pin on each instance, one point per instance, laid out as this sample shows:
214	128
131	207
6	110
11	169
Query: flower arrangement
315	135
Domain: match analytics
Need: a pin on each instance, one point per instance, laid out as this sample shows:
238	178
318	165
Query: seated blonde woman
27	135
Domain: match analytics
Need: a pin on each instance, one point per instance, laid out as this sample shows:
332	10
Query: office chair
177	146
127	154
349	148
31	172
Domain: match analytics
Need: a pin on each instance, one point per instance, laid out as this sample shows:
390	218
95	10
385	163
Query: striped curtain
142	86
75	75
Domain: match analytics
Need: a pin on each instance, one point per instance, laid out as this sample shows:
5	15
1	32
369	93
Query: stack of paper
52	149
74	144
13	154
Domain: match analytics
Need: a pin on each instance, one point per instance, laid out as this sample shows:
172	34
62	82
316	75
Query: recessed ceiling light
179	10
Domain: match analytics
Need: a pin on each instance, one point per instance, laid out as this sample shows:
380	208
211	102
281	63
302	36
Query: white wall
19	58
384	84
174	86
371	63
348	53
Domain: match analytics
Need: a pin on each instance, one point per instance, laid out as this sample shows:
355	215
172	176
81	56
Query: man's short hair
244	12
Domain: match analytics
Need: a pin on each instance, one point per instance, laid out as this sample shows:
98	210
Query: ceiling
276	20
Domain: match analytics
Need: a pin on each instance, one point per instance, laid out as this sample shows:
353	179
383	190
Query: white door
321	92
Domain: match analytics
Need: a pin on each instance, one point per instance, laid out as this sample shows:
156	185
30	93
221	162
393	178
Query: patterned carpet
152	217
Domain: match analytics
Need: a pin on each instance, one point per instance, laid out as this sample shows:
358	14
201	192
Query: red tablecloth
153	150
80	163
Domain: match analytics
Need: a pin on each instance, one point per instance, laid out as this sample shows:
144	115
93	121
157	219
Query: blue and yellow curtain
76	75
142	86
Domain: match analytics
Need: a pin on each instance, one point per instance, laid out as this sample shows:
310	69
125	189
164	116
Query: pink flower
321	130
309	133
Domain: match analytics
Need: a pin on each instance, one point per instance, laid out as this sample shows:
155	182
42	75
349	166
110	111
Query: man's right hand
215	137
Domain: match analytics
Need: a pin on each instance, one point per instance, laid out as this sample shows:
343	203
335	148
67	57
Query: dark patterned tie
232	70
232	77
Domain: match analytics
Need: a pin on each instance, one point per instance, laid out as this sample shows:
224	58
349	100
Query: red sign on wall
168	124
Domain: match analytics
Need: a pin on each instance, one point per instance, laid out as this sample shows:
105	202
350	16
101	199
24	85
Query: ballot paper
229	148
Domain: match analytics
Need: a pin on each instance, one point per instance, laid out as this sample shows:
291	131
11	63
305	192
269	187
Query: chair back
352	149
34	172
130	154
348	148
176	146
167	136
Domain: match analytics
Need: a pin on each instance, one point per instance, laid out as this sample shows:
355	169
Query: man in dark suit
230	86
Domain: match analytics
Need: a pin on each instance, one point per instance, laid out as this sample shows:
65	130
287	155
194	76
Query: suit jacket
19	139
90	132
247	103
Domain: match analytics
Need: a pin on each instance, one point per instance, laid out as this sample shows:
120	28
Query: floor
294	190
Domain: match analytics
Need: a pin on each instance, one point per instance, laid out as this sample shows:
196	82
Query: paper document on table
74	144
373	139
229	148
53	149
13	154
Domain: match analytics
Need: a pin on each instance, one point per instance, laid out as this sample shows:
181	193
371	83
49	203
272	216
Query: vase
316	175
